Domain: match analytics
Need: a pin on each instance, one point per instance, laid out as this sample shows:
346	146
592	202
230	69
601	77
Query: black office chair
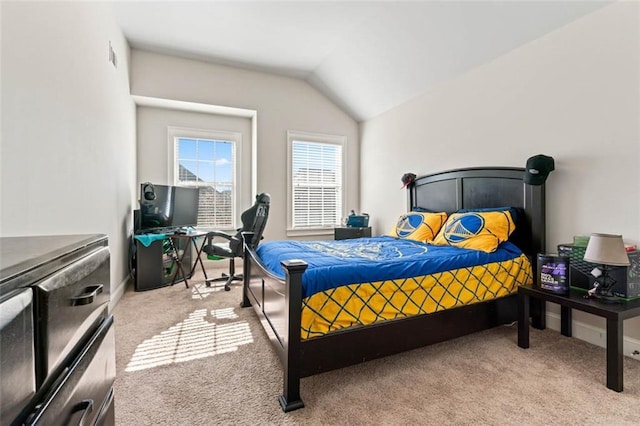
254	220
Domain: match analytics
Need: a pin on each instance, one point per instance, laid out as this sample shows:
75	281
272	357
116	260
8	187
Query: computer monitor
165	206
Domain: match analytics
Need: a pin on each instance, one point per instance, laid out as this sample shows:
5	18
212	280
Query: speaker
148	191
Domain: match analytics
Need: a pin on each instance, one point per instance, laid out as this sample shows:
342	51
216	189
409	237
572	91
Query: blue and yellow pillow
418	226
476	230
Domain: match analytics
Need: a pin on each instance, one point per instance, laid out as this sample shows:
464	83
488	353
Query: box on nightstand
553	273
627	278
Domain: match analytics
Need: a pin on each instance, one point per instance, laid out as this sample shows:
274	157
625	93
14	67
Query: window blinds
316	184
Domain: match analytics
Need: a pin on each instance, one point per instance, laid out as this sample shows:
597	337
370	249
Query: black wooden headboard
487	187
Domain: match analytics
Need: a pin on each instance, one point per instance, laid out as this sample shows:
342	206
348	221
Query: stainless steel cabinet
17	357
56	290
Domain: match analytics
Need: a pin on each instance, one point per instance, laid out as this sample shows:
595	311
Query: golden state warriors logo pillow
476	230
418	226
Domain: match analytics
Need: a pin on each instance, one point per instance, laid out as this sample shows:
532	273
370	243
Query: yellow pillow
418	226
476	230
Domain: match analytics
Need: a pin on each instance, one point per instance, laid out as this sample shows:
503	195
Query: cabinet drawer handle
88	296
86	407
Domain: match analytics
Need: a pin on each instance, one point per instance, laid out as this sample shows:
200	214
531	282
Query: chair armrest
213	234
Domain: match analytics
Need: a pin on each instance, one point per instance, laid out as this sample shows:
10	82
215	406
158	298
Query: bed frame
278	303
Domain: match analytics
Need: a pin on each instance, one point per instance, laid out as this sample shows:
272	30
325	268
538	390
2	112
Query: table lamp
606	250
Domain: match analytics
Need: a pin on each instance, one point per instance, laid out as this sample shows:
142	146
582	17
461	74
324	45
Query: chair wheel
227	288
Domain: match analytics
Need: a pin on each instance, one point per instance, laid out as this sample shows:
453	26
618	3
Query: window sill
309	232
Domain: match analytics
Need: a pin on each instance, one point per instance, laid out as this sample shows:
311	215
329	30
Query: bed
281	302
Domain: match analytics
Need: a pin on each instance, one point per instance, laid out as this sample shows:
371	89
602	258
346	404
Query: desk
192	239
615	314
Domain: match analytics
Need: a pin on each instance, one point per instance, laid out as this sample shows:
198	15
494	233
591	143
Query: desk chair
254	220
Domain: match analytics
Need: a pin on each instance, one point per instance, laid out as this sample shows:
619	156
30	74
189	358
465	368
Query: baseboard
117	292
594	335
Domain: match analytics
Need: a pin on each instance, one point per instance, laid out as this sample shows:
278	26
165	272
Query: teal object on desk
147	239
358	221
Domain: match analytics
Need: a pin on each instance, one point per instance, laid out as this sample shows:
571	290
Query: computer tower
155	266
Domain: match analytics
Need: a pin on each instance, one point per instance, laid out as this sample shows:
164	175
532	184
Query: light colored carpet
189	357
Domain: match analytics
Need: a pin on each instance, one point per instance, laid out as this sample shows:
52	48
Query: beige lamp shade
606	249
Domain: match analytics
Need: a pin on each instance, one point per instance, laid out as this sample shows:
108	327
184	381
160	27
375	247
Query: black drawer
83	394
348	232
70	305
17	362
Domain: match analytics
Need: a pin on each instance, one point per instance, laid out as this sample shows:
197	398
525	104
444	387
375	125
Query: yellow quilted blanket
372	302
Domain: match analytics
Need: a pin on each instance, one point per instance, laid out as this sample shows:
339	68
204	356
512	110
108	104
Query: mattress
358	282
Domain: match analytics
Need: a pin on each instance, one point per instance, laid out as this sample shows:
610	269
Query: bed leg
246	278
290	398
290	405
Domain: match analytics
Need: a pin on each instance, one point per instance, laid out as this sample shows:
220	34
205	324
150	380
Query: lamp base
602	288
607	298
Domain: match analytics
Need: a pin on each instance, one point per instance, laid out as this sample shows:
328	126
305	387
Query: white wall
153	143
282	104
572	94
68	125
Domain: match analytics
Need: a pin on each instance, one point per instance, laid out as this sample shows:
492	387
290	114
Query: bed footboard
271	299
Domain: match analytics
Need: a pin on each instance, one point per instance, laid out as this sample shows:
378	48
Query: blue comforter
336	263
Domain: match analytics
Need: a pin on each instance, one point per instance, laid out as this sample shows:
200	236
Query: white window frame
235	137
296	135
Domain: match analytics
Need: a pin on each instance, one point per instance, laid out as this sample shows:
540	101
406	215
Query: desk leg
198	258
565	321
178	260
523	320
614	354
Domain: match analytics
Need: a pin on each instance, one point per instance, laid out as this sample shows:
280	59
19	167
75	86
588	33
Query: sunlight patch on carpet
227	313
193	338
202	291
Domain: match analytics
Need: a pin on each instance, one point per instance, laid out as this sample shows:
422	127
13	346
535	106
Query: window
207	159
315	180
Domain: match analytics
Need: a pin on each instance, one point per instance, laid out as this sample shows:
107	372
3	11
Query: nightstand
615	314
348	232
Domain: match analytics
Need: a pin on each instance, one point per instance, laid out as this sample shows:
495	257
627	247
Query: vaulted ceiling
367	56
